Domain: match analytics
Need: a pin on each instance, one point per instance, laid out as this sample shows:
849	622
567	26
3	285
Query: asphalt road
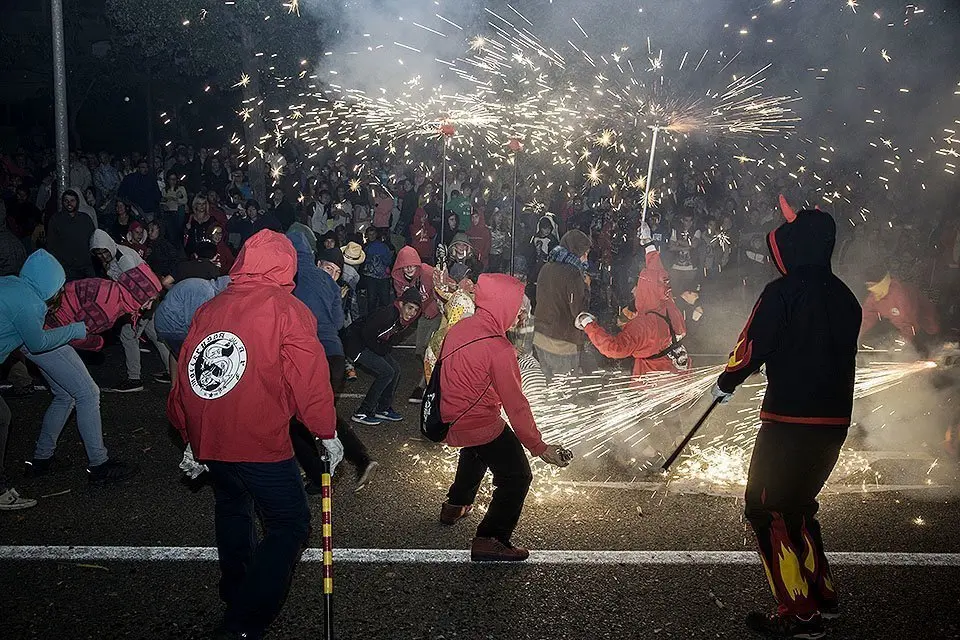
587	507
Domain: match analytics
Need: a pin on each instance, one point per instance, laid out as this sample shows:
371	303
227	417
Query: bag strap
487	388
674	342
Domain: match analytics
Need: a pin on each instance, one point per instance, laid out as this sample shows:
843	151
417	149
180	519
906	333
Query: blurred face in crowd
329	243
409	311
213	198
122	211
172	181
330	268
153	230
88	195
215	164
686	221
475	217
104	255
104	157
200	210
253	212
22	194
410	271
143	167
69	202
453	222
325	197
237	177
370	234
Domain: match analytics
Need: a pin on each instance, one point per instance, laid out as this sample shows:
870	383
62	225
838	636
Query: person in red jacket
901	304
99	303
479	234
252	361
409	272
653	336
422	234
480	375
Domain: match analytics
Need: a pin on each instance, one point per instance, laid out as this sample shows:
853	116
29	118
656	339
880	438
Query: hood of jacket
102	240
406	257
43	274
267	257
302	246
501	296
806	238
554	230
653	285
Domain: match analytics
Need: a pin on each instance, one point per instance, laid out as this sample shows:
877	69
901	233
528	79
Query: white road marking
696	487
446	556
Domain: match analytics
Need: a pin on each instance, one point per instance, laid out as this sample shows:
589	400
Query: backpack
432	425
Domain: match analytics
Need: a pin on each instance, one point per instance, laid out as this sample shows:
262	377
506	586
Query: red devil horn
787	210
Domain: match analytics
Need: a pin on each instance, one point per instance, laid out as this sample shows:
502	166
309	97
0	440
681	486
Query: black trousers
305	444
789	467
507	461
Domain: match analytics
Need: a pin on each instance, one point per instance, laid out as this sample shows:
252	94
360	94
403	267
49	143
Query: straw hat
353	254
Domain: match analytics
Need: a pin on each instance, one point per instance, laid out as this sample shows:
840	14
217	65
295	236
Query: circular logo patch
217	364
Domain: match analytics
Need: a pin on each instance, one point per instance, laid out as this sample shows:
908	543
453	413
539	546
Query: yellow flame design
794	583
809	557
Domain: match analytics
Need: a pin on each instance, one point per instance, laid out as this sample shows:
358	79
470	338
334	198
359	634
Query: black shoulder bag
432	425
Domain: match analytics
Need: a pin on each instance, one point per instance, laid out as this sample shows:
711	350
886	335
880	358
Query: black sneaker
163	377
36	468
416	396
112	471
127	385
773	625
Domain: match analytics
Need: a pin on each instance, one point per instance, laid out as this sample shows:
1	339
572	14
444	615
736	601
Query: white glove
720	394
190	466
583	320
335	451
645	235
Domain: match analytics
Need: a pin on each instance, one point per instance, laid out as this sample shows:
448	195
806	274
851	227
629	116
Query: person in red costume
250	363
903	306
99	303
422	234
479	235
653	336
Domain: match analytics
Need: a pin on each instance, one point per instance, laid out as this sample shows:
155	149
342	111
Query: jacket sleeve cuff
538	448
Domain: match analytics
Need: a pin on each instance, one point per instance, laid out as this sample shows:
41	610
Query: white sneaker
10	500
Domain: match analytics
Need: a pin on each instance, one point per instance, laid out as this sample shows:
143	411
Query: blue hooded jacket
175	312
23	307
316	289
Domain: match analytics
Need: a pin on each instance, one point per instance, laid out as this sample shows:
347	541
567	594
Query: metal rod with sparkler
515	145
646	197
446	131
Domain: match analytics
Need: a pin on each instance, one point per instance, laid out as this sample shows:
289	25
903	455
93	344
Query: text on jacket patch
216	365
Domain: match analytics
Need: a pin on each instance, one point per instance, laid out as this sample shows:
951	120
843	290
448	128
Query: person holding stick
804	329
251	362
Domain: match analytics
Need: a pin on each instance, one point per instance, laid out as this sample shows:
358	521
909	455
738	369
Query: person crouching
371	343
479	377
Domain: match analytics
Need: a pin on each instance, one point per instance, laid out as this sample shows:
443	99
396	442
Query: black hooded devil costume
804	328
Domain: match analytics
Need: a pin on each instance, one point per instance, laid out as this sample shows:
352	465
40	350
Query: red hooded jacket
252	361
648	333
99	303
484	376
906	309
422	234
423	279
479	235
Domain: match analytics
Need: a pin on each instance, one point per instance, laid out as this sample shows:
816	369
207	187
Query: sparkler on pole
516	146
649	185
447	130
